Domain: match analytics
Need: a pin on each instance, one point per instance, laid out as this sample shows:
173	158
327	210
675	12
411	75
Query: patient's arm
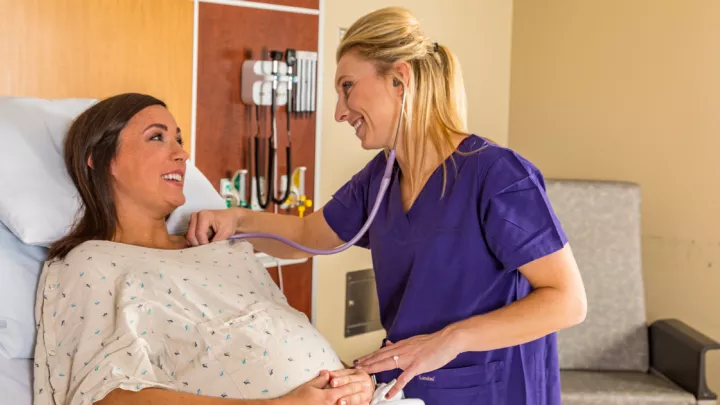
154	396
353	389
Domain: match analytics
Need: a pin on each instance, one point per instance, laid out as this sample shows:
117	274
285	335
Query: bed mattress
15	381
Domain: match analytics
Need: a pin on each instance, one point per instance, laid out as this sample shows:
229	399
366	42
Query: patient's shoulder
101	254
88	253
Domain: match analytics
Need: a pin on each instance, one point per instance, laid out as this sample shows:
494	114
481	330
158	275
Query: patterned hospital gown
207	320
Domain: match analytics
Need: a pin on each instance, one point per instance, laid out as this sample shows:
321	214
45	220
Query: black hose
258	189
287	171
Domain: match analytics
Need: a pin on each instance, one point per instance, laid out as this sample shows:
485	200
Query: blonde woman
474	272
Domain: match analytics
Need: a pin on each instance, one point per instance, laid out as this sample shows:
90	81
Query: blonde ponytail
435	109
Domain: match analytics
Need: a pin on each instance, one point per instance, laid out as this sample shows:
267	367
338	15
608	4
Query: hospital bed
32	131
15	381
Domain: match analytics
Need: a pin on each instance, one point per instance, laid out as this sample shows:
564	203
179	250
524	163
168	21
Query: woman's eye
346	86
180	141
156	137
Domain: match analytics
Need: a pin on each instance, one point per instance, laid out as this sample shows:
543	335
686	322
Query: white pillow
38	201
199	195
20	267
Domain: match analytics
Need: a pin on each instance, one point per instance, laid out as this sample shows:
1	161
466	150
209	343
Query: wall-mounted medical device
306	83
258	81
287	79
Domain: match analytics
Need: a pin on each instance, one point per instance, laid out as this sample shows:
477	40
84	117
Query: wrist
458	337
241	219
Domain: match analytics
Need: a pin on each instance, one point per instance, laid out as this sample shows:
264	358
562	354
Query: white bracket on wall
257	79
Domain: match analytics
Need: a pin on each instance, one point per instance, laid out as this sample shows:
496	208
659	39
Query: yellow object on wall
98	48
629	90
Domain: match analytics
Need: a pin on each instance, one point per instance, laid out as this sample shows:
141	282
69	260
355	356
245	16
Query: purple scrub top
455	257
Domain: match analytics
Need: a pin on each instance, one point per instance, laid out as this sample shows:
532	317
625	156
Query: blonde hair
435	107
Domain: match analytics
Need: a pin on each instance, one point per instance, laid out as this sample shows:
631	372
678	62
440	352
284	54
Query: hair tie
435	47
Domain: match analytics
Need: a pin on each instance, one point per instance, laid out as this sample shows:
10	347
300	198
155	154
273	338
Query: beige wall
478	31
630	90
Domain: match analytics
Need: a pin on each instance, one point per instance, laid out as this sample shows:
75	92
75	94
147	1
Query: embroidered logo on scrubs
426	378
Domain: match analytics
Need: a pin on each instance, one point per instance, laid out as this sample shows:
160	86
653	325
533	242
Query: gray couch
615	357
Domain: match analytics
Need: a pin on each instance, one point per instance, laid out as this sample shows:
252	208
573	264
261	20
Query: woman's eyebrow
157	125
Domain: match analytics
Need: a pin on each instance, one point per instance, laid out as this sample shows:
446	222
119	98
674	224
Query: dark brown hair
95	133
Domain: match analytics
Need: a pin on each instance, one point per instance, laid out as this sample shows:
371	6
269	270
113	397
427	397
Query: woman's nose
341	111
180	154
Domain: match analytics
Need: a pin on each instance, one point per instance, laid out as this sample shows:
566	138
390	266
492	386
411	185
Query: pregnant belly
268	350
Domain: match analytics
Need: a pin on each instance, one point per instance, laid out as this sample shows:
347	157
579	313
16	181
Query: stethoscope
384	184
290	58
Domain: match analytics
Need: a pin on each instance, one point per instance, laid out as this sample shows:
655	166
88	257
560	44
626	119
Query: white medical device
382	389
257	82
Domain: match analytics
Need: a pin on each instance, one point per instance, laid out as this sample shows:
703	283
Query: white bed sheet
15	381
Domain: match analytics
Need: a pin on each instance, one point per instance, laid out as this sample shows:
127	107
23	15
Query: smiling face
367	101
148	170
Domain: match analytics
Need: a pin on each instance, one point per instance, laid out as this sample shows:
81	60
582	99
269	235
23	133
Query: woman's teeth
173	177
358	124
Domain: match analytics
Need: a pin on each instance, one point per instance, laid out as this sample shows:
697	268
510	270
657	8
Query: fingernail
334	383
343	402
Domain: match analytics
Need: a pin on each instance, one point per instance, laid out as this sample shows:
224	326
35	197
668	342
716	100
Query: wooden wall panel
98	48
227	36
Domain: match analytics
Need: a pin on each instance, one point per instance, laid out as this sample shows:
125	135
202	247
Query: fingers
203	226
379	366
378	352
402	381
320	381
192	227
380	356
223	233
336	382
343	372
352	394
208	226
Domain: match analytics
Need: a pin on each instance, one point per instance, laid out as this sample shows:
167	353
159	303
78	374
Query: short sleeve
515	213
348	210
85	351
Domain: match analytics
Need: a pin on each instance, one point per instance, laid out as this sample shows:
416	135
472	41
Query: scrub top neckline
396	192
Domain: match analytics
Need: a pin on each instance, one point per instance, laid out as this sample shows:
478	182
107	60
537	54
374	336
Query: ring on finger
397	363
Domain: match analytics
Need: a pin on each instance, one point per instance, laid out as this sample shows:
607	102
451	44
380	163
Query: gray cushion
620	388
602	221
